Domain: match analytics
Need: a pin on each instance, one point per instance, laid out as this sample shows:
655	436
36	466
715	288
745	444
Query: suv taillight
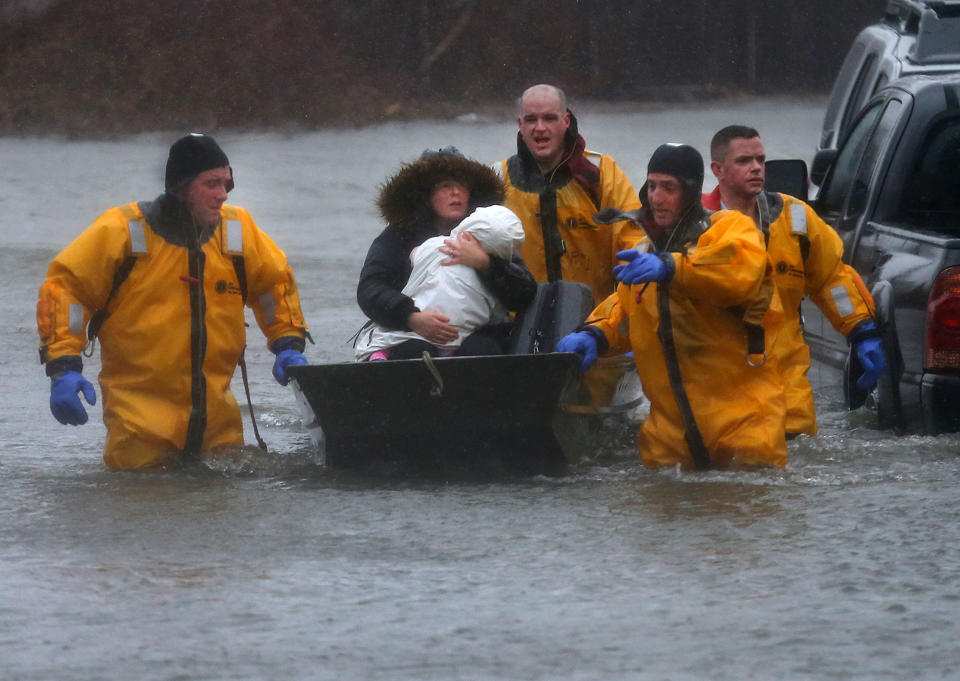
943	322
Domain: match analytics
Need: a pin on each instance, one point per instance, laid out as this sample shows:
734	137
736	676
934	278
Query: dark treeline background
97	67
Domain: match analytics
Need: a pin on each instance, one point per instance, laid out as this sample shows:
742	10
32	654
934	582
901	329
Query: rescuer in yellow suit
697	306
163	284
556	186
807	259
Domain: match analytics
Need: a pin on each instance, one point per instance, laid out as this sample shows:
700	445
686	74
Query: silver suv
892	193
914	38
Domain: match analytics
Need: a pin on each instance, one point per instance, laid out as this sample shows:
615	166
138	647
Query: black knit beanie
190	156
680	160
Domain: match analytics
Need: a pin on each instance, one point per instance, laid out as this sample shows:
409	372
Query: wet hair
720	144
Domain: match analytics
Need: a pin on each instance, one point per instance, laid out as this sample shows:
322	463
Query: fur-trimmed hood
404	200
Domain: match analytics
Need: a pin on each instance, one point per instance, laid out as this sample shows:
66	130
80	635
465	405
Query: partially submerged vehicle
460	417
892	192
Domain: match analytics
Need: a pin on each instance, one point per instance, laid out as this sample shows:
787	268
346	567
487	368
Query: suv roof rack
934	23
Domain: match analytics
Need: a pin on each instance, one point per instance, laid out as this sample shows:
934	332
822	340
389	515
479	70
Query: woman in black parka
425	198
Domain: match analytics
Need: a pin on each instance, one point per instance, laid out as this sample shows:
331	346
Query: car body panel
869	196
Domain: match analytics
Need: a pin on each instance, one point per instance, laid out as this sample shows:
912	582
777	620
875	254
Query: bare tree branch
466	12
452	34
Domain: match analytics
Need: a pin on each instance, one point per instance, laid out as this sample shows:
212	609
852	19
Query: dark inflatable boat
452	417
440	417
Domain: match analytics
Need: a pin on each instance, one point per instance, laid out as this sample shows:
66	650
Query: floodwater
845	565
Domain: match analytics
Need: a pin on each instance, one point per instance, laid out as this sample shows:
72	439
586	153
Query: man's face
742	172
205	194
665	193
450	200
543	124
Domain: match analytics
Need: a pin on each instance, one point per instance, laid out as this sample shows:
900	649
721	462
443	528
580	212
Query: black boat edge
459	417
450	418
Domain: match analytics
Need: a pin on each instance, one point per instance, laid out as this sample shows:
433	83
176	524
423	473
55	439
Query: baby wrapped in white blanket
455	291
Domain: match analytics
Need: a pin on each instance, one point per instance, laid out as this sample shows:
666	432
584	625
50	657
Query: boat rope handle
437	389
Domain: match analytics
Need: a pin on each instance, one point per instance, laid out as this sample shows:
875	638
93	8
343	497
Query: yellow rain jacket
564	210
807	258
835	287
721	280
174	332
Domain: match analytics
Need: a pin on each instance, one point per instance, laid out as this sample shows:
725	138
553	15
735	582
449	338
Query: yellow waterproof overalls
174	331
807	258
736	399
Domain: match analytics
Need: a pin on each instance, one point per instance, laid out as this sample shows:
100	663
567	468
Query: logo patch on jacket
784	268
227	287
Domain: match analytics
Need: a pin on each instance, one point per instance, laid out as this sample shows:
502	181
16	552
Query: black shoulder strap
553	246
241	269
698	450
130	214
763	211
756	339
100	316
804	246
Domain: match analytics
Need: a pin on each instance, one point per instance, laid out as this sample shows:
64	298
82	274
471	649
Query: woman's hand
433	327
465	250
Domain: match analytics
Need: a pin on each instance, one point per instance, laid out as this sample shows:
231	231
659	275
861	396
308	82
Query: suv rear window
932	195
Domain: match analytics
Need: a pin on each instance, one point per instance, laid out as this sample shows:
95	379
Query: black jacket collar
168	216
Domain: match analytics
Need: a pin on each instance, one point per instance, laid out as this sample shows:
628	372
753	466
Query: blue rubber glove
584	344
641	267
870	353
286	358
65	404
